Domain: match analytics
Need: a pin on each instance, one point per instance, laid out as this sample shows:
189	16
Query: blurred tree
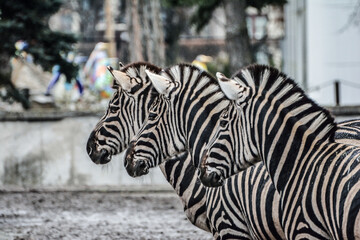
176	22
28	21
146	31
237	38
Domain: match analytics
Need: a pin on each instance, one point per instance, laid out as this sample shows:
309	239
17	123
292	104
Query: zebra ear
121	78
162	84
232	89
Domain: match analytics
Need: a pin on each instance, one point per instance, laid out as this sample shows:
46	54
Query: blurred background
54	85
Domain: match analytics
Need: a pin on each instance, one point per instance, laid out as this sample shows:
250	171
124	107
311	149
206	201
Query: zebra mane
137	69
199	79
293	99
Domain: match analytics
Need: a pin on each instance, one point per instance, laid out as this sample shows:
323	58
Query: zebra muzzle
212	179
138	169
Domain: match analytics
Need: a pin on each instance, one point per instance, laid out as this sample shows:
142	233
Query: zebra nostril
90	145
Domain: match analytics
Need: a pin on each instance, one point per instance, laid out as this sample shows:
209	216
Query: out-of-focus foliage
205	8
261	3
203	12
28	21
176	22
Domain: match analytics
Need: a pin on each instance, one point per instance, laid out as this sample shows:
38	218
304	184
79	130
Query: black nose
141	168
98	157
104	157
211	180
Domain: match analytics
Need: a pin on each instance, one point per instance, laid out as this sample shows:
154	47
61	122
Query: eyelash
152	116
113	109
223	123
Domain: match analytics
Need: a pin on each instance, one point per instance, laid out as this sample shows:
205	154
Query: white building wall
53	154
332	51
294	49
320	46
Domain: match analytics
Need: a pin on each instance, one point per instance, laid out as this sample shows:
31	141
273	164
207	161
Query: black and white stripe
122	119
246	206
318	179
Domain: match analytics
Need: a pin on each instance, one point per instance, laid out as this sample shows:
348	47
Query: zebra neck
198	101
180	172
199	125
182	176
285	139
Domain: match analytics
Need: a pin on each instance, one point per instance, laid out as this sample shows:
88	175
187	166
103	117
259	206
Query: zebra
122	118
176	113
214	210
221	211
126	112
270	119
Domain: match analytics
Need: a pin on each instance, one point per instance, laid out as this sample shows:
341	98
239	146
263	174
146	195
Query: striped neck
196	106
285	125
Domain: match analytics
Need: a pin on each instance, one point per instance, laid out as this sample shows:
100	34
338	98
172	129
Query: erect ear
121	78
232	89
162	84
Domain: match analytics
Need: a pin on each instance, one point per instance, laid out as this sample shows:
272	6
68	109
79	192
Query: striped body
247	203
222	211
272	120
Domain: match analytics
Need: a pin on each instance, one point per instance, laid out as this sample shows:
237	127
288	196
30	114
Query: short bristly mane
131	69
270	81
190	76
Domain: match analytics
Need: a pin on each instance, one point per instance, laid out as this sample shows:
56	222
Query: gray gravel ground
94	215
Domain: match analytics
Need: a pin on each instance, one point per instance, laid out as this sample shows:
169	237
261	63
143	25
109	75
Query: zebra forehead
138	69
132	72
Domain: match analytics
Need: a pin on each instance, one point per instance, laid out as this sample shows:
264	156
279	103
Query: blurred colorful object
201	61
95	70
21	47
56	73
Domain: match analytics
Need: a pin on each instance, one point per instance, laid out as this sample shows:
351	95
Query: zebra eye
154	105
114	109
152	116
223	123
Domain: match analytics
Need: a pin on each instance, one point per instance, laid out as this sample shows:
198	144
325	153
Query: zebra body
272	120
248	197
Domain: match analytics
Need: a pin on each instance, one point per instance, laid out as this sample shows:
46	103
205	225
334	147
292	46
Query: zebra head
126	112
153	143
217	161
182	119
